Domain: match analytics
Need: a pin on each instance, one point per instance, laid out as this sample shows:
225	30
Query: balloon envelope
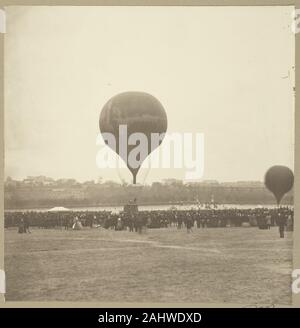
279	180
140	113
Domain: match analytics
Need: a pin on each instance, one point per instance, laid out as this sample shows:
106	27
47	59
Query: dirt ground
236	265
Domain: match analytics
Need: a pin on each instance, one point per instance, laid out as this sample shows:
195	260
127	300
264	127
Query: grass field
236	265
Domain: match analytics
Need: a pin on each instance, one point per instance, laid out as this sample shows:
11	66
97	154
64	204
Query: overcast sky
225	71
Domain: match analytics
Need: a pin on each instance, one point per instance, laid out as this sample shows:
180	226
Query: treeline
111	193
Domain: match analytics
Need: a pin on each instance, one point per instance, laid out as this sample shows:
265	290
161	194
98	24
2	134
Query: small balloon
279	180
128	114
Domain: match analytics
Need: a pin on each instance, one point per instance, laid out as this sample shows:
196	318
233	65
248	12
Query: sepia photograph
149	154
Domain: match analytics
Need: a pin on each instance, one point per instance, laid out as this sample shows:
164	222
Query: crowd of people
137	220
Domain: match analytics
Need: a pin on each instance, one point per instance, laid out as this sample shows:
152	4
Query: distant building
38	181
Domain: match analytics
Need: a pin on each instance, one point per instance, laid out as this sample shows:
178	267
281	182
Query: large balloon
279	180
141	113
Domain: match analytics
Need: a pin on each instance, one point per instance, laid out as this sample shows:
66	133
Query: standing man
26	224
189	223
21	226
268	218
281	222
